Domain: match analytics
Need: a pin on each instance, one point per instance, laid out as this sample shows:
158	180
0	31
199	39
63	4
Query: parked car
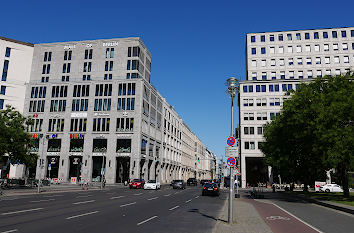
152	184
136	183
178	184
192	181
331	188
210	189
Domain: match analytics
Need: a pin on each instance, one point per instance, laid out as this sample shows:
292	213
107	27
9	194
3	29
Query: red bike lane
278	220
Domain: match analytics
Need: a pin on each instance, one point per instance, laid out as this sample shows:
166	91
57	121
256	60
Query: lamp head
233	86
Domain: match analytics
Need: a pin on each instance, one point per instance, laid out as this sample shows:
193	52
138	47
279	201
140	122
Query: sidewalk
246	219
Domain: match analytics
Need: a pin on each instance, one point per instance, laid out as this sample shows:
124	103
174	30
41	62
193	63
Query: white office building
277	62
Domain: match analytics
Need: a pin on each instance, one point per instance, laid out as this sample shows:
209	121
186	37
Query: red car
136	183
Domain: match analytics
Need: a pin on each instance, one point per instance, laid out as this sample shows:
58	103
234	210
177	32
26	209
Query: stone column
243	171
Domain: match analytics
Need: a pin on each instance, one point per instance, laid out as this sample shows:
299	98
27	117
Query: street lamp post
232	88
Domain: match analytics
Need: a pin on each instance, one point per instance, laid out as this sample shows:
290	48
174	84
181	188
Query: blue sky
195	45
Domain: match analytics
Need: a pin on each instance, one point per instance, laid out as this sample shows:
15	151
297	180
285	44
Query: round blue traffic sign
231	161
231	141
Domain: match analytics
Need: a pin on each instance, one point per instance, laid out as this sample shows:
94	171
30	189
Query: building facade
277	62
96	113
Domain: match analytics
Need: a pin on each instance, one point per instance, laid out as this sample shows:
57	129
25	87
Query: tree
314	131
14	140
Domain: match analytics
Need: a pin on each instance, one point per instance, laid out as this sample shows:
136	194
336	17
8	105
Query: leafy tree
14	140
314	131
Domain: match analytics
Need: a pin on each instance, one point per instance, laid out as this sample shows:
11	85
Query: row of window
306	36
298	74
261	101
301	61
261	116
251	130
299	48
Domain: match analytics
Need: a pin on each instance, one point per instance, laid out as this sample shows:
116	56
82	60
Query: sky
195	45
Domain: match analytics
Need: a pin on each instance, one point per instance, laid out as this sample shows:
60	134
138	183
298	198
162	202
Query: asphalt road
286	213
112	210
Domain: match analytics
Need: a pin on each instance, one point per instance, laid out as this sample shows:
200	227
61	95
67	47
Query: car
202	182
152	184
136	183
192	181
331	188
210	189
178	184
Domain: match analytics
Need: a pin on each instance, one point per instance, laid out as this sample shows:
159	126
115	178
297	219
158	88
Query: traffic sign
231	151
231	141
237	172
231	161
49	167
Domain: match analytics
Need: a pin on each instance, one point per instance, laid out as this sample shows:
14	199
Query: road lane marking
83	202
128	204
84	196
153	198
146	220
196	197
80	215
116	197
167	195
189	200
174	207
54	196
314	228
21	211
14	230
137	194
43	200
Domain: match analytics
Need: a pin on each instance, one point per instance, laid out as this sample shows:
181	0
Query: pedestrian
236	183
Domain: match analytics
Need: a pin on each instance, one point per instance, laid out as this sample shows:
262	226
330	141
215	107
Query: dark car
178	184
192	181
137	183
210	189
202	182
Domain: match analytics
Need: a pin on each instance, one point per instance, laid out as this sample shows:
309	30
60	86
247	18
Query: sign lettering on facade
109	44
69	46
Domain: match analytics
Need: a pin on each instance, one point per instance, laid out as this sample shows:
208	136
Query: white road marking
83	202
298	219
10	199
137	194
189	200
196	197
153	198
80	215
84	196
14	230
116	197
146	220
174	207
166	195
128	204
43	200
21	211
54	196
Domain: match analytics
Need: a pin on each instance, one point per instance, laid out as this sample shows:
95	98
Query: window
271	38
272	50
2	90
263	50
65	78
263	63
325	35
259	130
258	88
291	74
291	61
273	75
78	124
54	145
308	48
254	75
353	46
298	36
247	145
45	79
318	60
128	104
254	63
103	90
253	39
282	74
1	104
81	90
352	33
66	67
101	124
290	49
245	89
298	49
47	56
86	77
337	72
36	126
328	72
319	73
262	38
263	88
109	52
126	89
87	67
108	66
88	54
56	125
344	34
281	49
317	48
335	47
79	105
46	69
276	87
336	59
252	146
124	145
250	88
38	92
346	59
272	115
4	71
271	88
281	62
315	35
67	55
99	145
59	91
253	52
289	36
334	34
57	105
246	130
308	61
76	144
272	62
280	37
309	74
326	47
345	46
299	61
307	36
7	52
107	76
300	74
264	76
261	102
284	87
102	104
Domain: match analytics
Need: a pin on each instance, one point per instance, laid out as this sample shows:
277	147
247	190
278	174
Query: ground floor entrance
256	171
122	169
